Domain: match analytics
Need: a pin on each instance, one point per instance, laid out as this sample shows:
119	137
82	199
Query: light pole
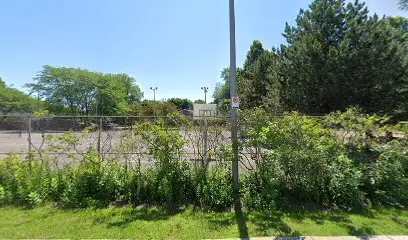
205	89
154	89
233	72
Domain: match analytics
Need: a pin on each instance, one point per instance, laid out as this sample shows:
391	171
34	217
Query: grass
148	223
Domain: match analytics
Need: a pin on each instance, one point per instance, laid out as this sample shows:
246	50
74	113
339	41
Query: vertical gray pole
30	154
205	162
100	137
233	76
29	134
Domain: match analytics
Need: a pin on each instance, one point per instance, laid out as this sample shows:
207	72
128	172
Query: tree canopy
79	91
336	56
14	101
181	104
403	4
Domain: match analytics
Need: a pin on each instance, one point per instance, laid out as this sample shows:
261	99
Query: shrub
305	160
385	178
172	184
259	189
3	196
25	182
214	190
297	160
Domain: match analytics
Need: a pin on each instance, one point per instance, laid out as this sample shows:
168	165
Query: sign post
234	106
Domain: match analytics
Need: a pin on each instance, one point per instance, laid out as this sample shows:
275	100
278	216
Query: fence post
139	176
99	136
29	134
205	160
29	156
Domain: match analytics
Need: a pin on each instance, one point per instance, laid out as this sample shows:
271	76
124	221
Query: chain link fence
65	137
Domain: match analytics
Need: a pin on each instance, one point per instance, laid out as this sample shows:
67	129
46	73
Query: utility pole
205	89
154	92
233	76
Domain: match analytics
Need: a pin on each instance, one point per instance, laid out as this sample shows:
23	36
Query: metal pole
100	137
29	134
30	154
233	69
205	162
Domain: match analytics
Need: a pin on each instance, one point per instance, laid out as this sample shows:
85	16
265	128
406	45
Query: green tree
83	92
181	104
199	101
222	89
153	108
403	4
259	80
337	55
116	94
14	101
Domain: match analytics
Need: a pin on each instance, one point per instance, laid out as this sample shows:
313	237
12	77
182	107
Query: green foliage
356	129
311	166
301	161
26	183
173	185
386	179
336	56
295	161
345	41
14	101
222	89
260	188
259	84
403	4
79	91
214	190
181	104
3	197
153	108
199	101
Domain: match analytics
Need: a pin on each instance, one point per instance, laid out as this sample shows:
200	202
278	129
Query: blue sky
178	45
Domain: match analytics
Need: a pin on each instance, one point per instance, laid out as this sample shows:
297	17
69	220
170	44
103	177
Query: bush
214	190
304	160
172	180
295	160
3	197
259	189
25	182
386	179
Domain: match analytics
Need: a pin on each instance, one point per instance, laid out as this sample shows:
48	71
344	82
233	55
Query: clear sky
178	45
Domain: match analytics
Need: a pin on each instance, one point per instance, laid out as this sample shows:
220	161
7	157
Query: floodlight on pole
205	89
154	89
